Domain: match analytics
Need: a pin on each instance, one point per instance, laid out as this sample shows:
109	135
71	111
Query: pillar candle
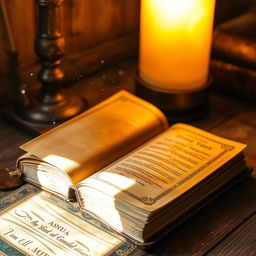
175	43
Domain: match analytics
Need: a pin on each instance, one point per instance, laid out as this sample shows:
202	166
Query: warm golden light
175	43
61	162
170	11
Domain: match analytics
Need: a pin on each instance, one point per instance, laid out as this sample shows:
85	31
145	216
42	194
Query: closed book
235	40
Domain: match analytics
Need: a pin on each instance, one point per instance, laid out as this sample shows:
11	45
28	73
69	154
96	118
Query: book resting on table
123	165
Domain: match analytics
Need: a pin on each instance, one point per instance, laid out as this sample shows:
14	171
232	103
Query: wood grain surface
245	234
85	23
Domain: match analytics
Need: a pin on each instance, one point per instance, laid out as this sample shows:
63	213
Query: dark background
86	24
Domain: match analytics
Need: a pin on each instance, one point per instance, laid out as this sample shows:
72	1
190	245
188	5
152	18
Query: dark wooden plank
22	19
242	127
85	23
221	108
10	140
86	28
208	227
3	49
108	81
241	242
131	12
79	65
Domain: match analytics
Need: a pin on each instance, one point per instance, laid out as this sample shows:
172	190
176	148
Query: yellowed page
99	136
163	169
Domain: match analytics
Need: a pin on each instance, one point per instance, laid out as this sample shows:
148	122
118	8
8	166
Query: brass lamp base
179	106
50	110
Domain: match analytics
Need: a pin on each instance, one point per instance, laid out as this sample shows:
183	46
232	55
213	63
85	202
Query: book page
35	223
161	170
99	136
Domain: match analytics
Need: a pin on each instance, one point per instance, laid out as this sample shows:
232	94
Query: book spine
234	49
234	80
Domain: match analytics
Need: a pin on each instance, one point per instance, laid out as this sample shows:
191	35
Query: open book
122	164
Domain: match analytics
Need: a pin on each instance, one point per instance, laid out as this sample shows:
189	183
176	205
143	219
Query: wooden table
227	226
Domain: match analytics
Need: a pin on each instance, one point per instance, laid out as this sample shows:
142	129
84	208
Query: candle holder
50	104
185	106
174	56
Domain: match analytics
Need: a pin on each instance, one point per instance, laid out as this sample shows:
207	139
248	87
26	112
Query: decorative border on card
149	200
124	248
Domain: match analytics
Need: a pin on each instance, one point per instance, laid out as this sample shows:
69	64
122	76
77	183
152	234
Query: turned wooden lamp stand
51	104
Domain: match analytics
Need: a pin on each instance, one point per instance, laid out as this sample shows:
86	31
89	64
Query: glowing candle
175	43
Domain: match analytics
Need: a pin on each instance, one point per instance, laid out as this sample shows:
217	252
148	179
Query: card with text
36	223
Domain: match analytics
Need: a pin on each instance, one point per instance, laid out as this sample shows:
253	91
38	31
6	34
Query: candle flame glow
177	11
175	42
174	8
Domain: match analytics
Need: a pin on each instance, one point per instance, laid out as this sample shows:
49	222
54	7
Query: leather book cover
235	40
233	64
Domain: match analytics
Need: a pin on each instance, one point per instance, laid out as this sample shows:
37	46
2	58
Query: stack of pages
165	178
